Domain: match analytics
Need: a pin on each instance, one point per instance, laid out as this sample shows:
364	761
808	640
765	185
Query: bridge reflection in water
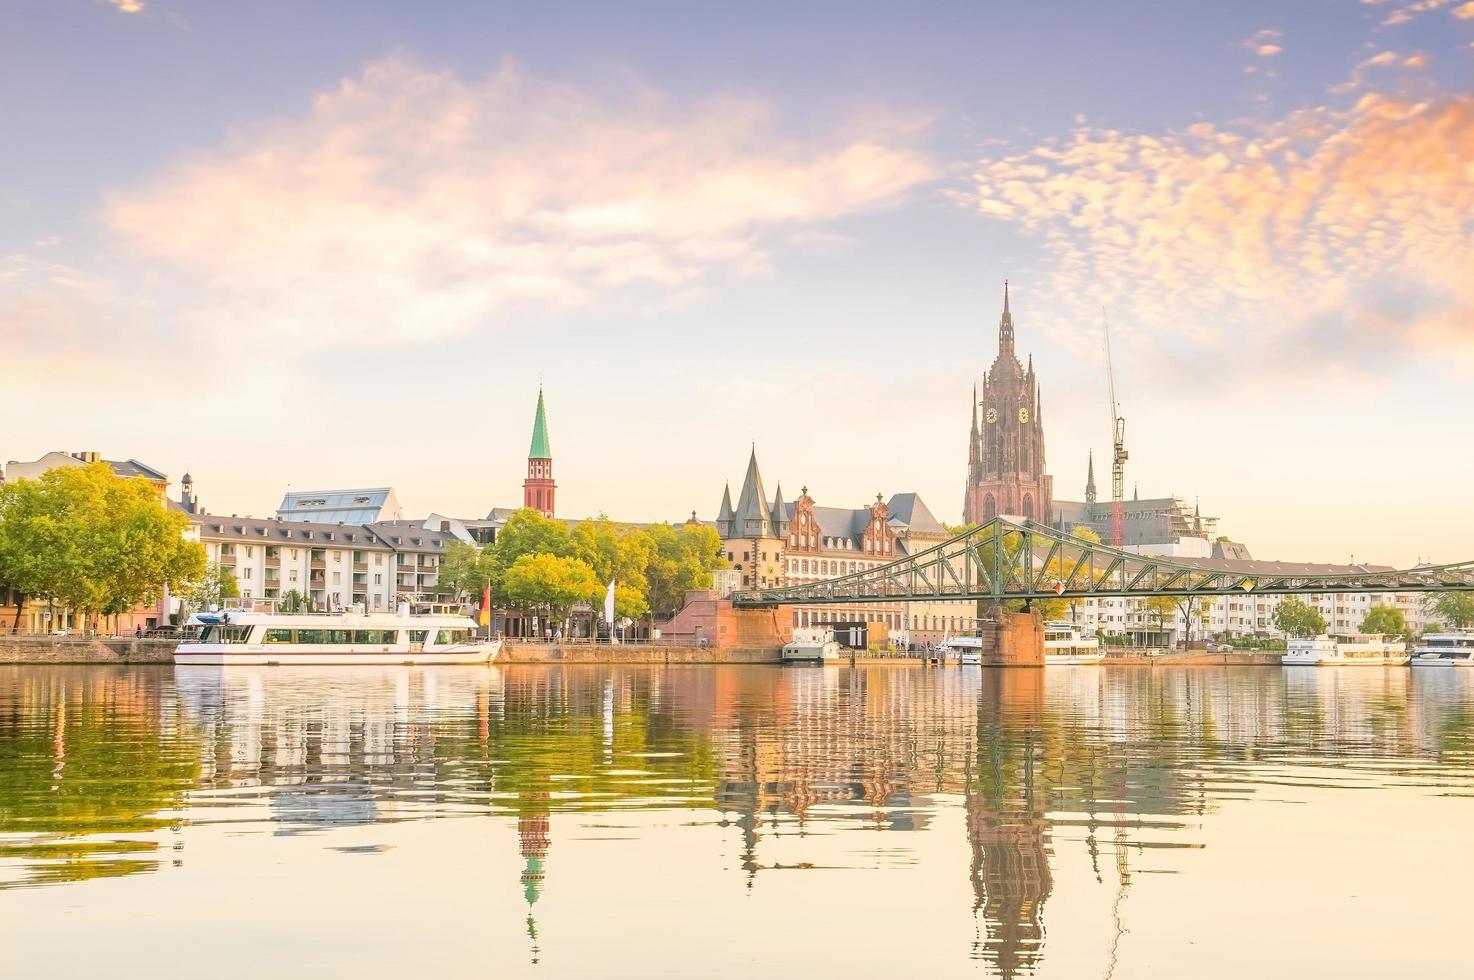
107	770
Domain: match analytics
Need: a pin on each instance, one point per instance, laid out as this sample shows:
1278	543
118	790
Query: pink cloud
1314	226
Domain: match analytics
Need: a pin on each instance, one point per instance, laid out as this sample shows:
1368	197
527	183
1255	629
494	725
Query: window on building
292	575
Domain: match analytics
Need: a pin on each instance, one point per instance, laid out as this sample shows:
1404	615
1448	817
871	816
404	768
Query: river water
735	822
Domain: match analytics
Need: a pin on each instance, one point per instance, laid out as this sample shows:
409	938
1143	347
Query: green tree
1386	620
552	582
1194	609
1085	534
957	529
465	569
290	601
629	603
526	532
89	539
217	583
1294	618
1454	609
682	560
1160	607
614	552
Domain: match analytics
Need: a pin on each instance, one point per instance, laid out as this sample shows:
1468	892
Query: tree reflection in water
101	768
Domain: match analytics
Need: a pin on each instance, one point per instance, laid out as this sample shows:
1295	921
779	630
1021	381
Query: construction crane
1119	456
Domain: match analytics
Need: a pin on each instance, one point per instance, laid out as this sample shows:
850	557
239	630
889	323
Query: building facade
1005	462
333	565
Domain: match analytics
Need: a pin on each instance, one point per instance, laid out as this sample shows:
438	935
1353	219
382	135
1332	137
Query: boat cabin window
225	634
367	637
418	636
447	637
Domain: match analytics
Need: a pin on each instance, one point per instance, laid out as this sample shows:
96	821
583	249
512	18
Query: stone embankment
80	650
632	653
1200	658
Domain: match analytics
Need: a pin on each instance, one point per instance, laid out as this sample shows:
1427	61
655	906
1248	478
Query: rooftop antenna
1118	441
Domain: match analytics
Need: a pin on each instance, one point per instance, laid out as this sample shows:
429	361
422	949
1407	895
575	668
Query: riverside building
333	565
773	542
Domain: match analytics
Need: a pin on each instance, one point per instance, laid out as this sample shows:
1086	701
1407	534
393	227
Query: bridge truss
1004	560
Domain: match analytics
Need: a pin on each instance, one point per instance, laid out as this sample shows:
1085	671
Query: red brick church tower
538	489
1005	463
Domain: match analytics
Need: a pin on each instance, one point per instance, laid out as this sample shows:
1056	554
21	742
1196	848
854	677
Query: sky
342	244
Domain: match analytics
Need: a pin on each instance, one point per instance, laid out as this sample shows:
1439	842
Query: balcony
273	562
228	560
317	564
360	566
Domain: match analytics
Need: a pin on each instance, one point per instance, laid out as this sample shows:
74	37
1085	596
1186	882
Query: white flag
609	604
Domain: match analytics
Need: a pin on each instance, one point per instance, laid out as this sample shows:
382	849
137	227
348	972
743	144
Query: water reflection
110	772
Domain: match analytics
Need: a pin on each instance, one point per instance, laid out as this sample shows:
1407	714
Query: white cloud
126	6
409	203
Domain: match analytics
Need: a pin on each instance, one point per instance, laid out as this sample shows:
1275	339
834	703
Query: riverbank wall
127	650
80	650
633	653
1200	658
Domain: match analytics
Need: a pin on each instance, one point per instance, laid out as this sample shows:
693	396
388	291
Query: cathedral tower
538	489
1006	455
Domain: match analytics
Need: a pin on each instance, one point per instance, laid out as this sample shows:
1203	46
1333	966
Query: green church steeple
540	447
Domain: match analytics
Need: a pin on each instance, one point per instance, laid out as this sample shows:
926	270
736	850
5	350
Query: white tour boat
811	643
1452	649
1066	643
1358	650
415	633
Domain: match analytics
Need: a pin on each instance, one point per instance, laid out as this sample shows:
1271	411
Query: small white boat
809	644
1451	649
1066	643
416	633
1358	650
966	650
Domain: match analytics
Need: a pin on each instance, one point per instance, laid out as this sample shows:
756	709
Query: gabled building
769	543
127	468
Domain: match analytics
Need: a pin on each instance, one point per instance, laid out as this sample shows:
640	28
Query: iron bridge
1005	560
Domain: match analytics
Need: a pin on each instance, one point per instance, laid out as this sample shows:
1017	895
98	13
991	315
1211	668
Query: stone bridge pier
1016	639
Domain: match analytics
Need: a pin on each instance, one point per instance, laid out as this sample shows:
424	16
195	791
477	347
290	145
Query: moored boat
1357	650
966	650
1066	643
415	633
1454	648
810	644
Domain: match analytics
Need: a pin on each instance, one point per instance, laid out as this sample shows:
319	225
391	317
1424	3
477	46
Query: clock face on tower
1023	415
992	415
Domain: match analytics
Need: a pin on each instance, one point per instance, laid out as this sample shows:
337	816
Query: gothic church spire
1005	325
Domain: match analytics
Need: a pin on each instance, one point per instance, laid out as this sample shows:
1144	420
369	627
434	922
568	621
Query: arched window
1028	506
990	507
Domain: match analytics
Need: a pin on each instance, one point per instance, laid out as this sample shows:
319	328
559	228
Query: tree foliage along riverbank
538	562
87	539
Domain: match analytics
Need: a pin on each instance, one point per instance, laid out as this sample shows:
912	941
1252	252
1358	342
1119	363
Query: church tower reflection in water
1006	825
